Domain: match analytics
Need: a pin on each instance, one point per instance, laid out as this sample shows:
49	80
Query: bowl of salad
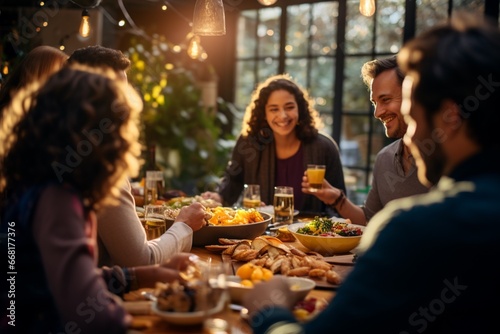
328	236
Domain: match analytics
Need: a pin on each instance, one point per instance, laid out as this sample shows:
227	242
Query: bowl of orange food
229	223
232	224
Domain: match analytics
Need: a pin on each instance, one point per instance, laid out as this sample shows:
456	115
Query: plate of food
191	301
281	258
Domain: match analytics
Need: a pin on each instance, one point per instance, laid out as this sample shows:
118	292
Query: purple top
289	173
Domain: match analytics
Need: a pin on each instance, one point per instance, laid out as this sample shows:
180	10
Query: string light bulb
5	69
194	49
85	24
267	2
367	7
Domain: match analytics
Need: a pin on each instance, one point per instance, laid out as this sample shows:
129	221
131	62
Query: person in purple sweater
279	138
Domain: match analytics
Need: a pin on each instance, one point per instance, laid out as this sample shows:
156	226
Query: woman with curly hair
66	149
279	137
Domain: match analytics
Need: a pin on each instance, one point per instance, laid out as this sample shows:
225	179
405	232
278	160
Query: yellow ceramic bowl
326	245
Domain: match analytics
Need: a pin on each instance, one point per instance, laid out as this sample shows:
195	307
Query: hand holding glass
315	175
283	205
251	196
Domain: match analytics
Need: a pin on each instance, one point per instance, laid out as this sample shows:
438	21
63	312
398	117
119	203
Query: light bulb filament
85	24
367	7
194	48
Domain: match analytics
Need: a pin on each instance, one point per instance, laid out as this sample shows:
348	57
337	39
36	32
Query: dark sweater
428	263
255	163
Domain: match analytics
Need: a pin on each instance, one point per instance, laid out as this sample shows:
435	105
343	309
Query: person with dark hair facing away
121	236
37	65
427	263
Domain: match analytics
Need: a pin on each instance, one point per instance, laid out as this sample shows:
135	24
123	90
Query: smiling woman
279	138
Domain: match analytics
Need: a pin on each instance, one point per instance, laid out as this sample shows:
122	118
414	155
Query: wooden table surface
150	323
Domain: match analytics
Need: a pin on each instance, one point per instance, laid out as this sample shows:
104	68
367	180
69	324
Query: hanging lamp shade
209	18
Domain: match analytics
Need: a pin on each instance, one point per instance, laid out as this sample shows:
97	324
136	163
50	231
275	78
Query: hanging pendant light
367	7
209	18
194	49
85	24
267	2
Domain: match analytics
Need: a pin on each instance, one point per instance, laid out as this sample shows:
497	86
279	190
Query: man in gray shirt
394	172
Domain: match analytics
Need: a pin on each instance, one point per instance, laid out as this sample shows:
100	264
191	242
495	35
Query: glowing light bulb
194	48
85	25
367	7
267	2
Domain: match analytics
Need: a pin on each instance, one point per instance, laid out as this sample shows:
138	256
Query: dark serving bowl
209	235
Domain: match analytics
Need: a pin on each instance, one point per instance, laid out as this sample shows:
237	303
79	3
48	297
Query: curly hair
254	120
79	129
98	56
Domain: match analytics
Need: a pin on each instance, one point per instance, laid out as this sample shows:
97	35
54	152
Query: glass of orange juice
315	174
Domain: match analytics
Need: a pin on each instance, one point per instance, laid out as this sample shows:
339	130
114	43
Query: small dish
299	286
188	318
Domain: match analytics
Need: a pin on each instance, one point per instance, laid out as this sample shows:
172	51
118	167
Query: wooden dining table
145	321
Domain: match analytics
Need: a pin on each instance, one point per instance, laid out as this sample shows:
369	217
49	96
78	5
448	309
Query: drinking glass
315	174
283	205
251	196
213	293
154	221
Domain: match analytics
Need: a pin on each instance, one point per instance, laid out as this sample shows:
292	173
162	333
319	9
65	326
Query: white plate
188	318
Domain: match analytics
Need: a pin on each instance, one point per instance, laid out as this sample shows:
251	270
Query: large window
323	46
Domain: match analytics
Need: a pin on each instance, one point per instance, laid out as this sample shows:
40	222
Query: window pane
324	28
245	82
266	68
297	68
355	140
390	24
359	30
268	31
356	94
430	13
246	41
297	28
321	83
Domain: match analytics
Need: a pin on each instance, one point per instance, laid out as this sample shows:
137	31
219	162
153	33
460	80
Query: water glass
251	196
283	205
